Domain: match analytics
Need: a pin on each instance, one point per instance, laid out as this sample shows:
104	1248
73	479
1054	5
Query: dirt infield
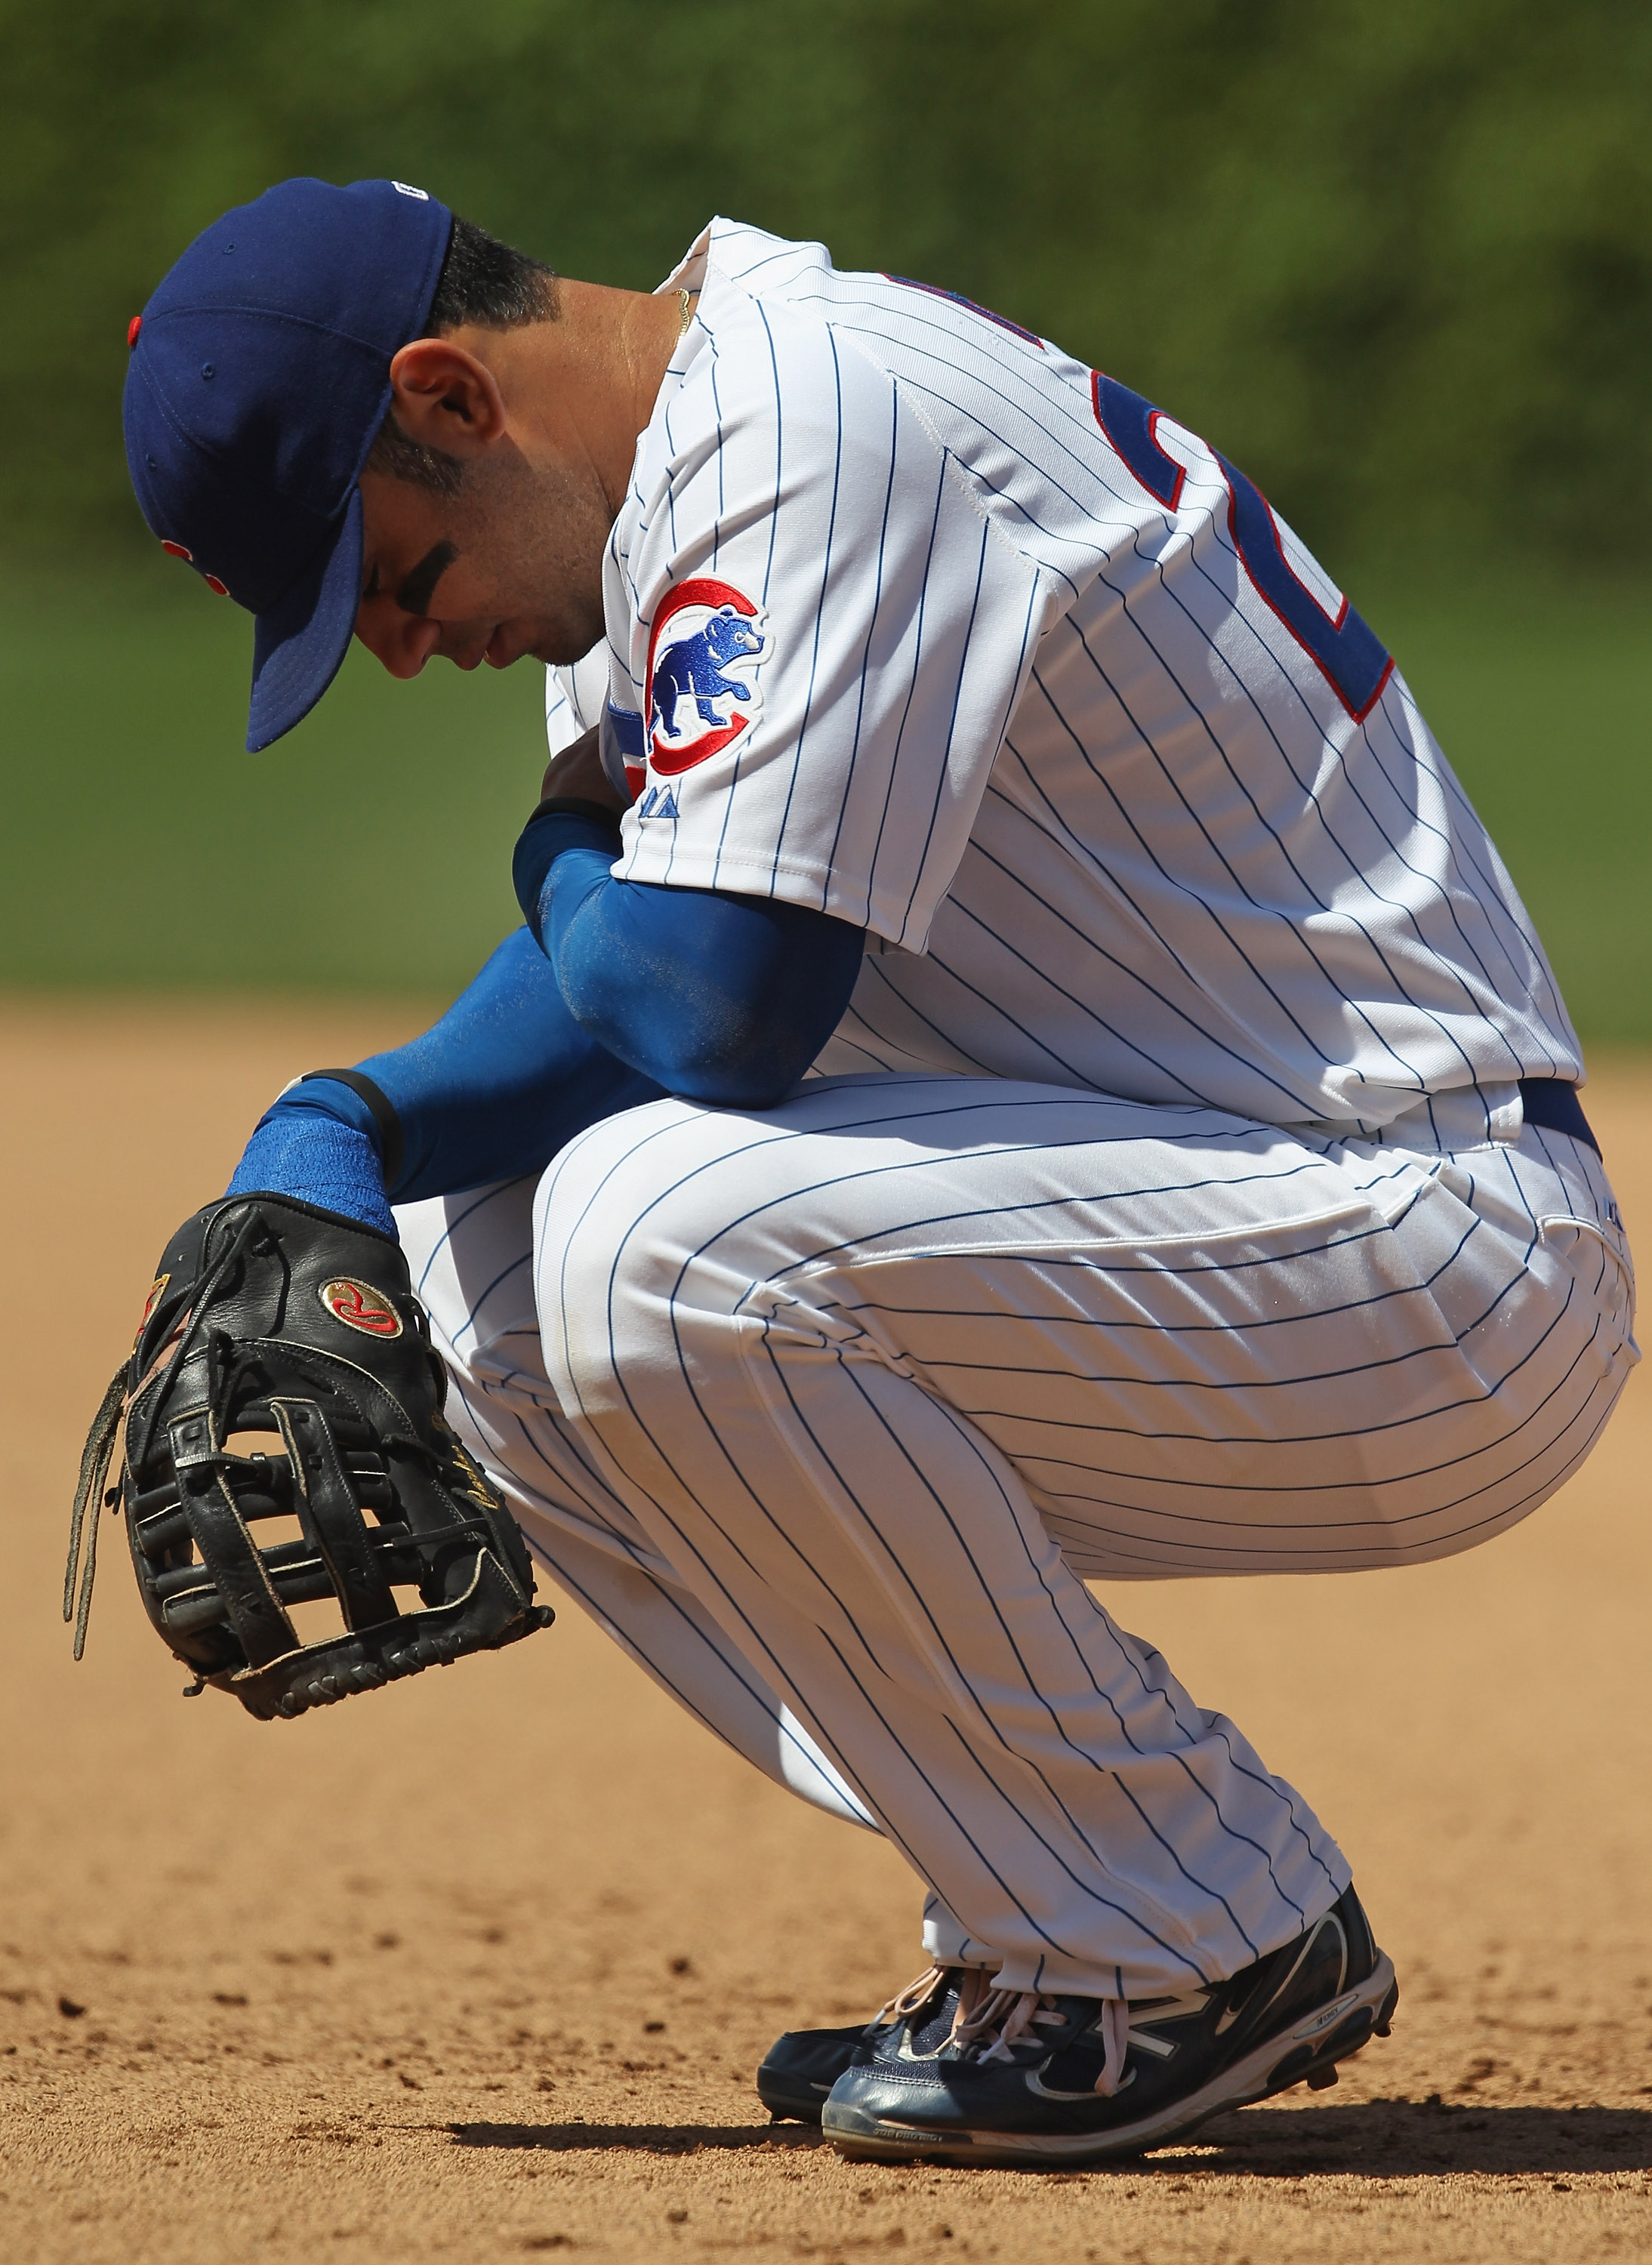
482	1964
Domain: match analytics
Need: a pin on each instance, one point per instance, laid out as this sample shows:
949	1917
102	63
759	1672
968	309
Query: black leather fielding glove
269	1316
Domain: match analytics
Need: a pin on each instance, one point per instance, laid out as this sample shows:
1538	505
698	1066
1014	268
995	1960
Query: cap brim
299	644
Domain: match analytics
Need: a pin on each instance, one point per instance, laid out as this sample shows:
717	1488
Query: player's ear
445	398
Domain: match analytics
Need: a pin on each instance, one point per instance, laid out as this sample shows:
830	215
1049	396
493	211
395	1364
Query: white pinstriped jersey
913	619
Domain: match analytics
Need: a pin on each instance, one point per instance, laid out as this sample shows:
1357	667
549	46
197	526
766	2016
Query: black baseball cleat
800	2068
1028	2079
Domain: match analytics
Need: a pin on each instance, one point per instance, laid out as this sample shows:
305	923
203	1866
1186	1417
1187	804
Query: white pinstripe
838	1406
856	1390
1108	824
472	1264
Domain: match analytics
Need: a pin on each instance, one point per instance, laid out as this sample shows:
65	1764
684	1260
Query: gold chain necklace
685	302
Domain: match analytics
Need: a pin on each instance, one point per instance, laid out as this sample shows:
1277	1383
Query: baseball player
1021	1067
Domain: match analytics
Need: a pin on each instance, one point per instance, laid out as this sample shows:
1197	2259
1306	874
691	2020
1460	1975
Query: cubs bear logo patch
359	1306
705	652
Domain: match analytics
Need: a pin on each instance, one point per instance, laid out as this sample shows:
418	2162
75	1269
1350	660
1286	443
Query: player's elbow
719	999
738	1062
728	1051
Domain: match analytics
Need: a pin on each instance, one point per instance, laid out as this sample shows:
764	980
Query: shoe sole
788	2105
1309	2050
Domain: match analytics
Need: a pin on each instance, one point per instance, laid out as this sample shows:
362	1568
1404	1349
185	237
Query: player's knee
626	1269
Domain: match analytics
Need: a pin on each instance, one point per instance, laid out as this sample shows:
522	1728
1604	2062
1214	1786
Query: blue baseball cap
259	375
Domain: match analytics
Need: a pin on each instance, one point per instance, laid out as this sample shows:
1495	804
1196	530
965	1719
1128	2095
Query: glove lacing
98	1452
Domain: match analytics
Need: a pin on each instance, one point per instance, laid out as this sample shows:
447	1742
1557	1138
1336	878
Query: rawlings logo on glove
359	1307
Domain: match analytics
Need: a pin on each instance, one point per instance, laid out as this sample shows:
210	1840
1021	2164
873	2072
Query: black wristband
391	1148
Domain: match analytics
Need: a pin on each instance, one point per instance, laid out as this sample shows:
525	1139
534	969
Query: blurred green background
1394	258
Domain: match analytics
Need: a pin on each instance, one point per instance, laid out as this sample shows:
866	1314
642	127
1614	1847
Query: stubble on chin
549	531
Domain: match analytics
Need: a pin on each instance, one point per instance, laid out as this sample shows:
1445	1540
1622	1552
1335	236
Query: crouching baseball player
1022	1068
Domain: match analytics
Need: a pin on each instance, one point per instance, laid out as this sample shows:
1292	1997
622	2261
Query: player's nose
402	642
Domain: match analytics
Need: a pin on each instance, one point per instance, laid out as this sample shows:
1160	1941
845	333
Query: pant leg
880	1373
470	1259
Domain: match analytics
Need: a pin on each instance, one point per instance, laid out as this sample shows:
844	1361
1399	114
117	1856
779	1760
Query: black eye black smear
419	586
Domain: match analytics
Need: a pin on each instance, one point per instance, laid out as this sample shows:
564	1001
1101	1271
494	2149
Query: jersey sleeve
824	638
575	697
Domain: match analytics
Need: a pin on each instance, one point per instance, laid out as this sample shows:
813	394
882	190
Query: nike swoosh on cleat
1325	2015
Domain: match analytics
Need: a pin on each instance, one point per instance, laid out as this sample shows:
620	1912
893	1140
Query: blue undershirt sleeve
492	1090
617	992
307	1152
721	998
501	1082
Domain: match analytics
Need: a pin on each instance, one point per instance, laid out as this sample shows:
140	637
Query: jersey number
1347	653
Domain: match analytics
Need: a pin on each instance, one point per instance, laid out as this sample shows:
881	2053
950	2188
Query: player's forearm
721	998
491	1091
501	1082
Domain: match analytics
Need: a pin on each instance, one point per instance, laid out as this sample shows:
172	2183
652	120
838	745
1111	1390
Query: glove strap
227	1550
339	1529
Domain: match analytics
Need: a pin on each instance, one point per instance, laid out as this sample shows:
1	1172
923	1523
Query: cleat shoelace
989	2023
905	2002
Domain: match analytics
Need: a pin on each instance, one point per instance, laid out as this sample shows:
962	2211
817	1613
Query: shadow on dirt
1384	2139
637	2139
1410	2139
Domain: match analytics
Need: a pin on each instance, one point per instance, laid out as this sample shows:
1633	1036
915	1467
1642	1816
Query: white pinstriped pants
827	1413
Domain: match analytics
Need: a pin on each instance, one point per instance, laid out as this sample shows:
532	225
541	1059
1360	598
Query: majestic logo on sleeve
708	644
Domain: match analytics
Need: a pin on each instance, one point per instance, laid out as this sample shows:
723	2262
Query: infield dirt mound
482	1964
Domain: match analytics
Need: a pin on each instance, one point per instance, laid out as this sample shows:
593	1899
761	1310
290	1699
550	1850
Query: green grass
371	849
1539	697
